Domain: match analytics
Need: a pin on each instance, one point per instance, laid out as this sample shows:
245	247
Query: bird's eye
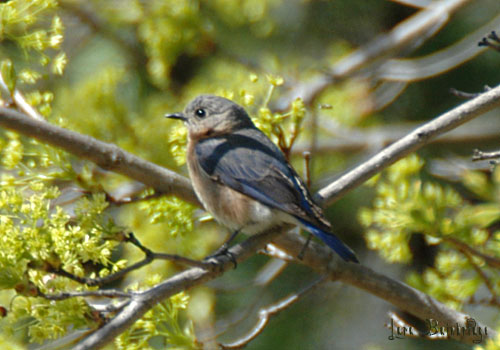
200	112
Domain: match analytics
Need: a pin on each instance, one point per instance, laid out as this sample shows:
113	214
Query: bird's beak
179	116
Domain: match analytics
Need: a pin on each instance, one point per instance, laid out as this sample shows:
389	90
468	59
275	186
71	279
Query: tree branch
395	292
489	260
108	293
143	301
106	155
480	155
409	144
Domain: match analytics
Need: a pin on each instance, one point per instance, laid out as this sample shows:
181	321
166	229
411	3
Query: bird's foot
222	251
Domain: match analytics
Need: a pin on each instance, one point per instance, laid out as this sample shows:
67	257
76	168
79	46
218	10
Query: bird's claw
222	251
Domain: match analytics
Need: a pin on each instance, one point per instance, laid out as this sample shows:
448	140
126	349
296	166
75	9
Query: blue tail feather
332	241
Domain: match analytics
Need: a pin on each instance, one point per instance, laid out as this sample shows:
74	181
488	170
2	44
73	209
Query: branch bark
106	155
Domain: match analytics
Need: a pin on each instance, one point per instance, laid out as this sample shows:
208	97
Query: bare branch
419	68
142	302
492	41
408	144
17	99
266	313
319	258
106	155
464	95
482	274
131	47
395	292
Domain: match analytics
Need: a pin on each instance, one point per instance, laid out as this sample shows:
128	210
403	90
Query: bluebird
242	178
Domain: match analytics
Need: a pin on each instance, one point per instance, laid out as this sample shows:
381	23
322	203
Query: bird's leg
304	248
223	249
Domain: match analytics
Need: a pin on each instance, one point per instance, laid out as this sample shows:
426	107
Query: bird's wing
248	162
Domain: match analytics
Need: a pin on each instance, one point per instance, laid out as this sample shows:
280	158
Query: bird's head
210	116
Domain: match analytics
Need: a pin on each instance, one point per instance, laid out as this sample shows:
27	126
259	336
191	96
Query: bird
243	179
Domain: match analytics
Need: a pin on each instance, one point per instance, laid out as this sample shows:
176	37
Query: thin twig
492	41
484	301
185	280
307	168
481	274
269	311
150	256
130	200
490	260
17	100
463	94
97	26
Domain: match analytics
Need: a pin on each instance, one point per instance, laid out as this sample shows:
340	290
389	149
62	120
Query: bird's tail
332	241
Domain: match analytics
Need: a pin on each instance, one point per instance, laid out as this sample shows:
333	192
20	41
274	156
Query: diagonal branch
150	256
142	302
317	257
409	144
106	155
393	291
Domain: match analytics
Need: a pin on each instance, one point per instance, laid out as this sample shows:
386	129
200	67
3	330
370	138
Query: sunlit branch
16	99
482	274
409	144
106	155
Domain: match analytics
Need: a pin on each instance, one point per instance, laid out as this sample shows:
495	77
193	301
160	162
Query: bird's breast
229	207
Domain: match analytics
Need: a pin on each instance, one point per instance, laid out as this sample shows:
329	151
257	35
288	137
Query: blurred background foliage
112	69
